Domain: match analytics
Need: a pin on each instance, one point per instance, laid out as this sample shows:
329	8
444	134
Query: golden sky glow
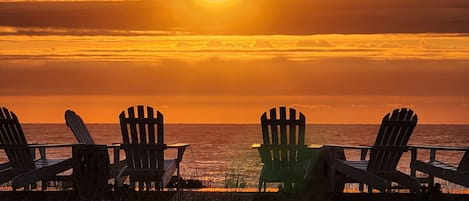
228	61
224	79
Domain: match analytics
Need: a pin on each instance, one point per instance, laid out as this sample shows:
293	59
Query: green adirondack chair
283	152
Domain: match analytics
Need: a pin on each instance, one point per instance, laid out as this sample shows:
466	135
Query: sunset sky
228	61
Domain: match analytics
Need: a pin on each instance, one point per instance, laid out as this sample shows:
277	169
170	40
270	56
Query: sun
215	3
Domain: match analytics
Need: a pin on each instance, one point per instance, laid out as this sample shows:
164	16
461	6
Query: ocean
218	152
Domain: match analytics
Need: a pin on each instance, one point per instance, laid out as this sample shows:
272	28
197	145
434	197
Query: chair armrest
33	147
49	145
42	148
114	145
439	148
6	165
256	146
349	146
181	149
177	145
315	146
433	150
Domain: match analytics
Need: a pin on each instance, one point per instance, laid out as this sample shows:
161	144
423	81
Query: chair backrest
78	127
284	139
464	163
391	142
14	142
142	138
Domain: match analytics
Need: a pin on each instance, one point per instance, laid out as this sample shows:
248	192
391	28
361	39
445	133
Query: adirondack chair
83	136
435	168
78	127
380	170
23	169
283	151
143	143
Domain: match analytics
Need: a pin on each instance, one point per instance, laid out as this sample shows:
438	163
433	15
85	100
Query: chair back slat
301	124
293	140
283	137
143	147
284	162
12	137
393	136
78	127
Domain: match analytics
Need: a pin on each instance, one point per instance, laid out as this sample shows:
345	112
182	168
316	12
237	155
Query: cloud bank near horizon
267	77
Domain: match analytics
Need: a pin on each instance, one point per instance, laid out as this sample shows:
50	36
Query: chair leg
44	185
431	179
260	184
178	186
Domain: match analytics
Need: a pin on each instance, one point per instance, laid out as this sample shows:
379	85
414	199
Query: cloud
390	45
312	43
246	17
9	30
215	43
360	106
262	44
399	105
310	106
185	44
260	77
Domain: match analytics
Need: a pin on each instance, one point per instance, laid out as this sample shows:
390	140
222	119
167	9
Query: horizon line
250	123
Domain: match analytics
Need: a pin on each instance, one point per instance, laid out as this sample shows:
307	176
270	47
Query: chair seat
143	174
362	164
41	163
442	165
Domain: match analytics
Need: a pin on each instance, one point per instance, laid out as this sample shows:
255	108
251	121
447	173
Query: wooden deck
216	196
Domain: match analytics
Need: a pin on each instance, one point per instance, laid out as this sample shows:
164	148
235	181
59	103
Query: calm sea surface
217	151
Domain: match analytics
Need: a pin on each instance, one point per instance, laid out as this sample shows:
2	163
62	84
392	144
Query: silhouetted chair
78	127
380	169
83	136
283	151
143	143
435	168
23	168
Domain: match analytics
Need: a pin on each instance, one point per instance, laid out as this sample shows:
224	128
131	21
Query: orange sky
262	17
186	69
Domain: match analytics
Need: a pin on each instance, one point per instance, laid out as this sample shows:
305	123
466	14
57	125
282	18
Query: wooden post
431	178
116	167
432	155
90	170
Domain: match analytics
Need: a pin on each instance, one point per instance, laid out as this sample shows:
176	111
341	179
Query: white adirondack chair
78	127
143	143
23	169
283	151
380	170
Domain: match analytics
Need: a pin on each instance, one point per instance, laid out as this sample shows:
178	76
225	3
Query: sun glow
216	3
